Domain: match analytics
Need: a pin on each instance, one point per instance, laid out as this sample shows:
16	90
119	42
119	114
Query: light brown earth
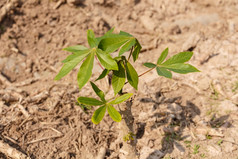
39	117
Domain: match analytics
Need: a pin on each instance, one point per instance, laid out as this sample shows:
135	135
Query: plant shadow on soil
8	20
6	23
174	119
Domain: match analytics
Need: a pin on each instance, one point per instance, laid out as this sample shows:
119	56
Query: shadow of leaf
179	146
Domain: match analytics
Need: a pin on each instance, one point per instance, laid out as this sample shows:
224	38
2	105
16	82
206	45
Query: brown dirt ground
173	117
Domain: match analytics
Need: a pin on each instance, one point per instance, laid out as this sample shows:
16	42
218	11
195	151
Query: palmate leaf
118	78
99	114
128	45
175	64
71	61
85	70
163	72
131	75
179	58
112	43
75	48
114	114
121	99
136	44
75	54
89	101
92	41
181	68
99	92
106	60
69	58
131	42
162	56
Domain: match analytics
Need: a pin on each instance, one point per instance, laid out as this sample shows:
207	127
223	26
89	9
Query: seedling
188	143
220	142
196	149
129	137
123	72
208	136
203	155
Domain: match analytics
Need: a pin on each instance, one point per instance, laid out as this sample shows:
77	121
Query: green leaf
118	78
85	70
99	92
179	58
136	51
181	68
103	74
75	54
163	72
75	48
118	58
149	65
121	99
163	56
127	46
114	114
106	60
125	33
71	62
132	75
92	41
69	58
113	43
89	101
106	35
99	114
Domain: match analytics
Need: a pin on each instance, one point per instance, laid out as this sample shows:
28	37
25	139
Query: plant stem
99	63
130	54
146	72
126	126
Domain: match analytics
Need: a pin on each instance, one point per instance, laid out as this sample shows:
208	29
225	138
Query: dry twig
46	138
48	66
23	110
11	94
39	97
26	82
59	3
12	152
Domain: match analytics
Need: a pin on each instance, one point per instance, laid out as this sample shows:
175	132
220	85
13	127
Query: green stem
130	53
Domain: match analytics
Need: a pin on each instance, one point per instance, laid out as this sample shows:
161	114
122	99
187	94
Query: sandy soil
191	116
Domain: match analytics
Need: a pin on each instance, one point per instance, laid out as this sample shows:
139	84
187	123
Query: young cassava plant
121	71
